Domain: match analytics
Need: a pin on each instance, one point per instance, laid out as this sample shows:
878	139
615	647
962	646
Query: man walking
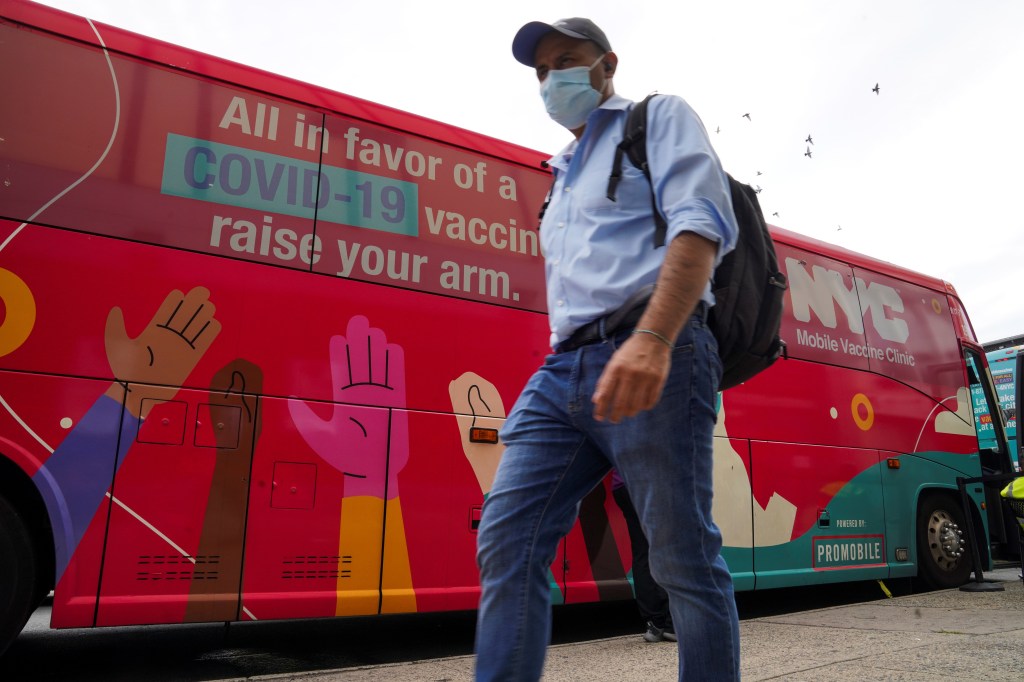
633	378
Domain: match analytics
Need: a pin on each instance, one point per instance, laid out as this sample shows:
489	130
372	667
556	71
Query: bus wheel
942	551
17	574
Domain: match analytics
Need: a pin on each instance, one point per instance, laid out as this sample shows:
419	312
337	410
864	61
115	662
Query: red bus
257	338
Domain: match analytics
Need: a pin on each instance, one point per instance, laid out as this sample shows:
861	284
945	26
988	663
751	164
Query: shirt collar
614	103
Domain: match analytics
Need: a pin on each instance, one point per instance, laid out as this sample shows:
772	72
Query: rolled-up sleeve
691	189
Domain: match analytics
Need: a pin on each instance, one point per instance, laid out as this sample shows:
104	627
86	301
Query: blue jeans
556	452
651	599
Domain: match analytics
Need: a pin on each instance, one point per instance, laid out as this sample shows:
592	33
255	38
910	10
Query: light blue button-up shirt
598	252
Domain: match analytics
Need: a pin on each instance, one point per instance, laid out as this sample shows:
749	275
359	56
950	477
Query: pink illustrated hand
367	374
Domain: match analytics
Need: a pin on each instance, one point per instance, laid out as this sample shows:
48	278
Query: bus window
1002	364
988	417
992	446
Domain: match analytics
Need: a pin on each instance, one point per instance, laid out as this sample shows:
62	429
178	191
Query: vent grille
314	566
165	567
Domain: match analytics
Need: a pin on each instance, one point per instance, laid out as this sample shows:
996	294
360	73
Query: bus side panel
910	335
283	324
443	488
838	532
316	511
822	320
597	550
56	429
401	210
863	320
733	507
148	151
903	488
177	526
442	494
804	402
282	321
164	157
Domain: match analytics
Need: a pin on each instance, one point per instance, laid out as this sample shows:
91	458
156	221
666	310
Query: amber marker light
479	434
893	463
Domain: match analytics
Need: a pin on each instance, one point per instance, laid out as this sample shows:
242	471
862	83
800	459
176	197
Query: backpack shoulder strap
634	145
547	198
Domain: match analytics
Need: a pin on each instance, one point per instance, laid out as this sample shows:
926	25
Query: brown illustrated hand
157	361
236	426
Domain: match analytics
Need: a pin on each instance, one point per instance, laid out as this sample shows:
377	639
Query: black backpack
747	284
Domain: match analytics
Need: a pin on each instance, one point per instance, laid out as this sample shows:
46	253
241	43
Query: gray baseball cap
524	45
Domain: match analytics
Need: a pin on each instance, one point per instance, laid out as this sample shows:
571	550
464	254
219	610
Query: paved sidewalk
950	634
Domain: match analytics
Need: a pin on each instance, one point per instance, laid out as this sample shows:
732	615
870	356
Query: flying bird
747	116
809	140
760	173
808	153
776	214
718	129
875	89
757	189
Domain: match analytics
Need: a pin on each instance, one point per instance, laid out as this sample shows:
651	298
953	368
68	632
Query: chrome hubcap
945	540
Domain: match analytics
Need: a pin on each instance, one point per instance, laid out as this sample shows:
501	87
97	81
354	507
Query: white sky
927	174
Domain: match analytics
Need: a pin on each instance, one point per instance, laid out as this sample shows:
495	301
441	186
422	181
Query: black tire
17	574
943	555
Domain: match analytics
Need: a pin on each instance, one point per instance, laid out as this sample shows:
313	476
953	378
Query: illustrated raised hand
367	374
235	423
477	404
158	361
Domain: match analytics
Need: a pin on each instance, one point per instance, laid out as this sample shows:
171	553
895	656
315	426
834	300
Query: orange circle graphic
20	312
863	422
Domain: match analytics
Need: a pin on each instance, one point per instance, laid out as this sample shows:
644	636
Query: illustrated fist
477	406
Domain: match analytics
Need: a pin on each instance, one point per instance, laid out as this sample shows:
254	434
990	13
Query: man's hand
633	379
635	376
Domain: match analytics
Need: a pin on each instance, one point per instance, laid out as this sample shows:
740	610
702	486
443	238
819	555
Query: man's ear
610	63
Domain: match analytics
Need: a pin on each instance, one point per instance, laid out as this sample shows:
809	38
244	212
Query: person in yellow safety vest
1013	493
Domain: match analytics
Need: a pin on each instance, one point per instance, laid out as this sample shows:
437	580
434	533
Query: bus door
838	532
178	504
1002	365
1018	396
993	448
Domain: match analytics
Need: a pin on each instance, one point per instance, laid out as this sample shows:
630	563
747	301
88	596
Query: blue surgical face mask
568	95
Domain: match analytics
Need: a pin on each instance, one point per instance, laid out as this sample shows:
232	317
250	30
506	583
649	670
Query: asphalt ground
948	634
